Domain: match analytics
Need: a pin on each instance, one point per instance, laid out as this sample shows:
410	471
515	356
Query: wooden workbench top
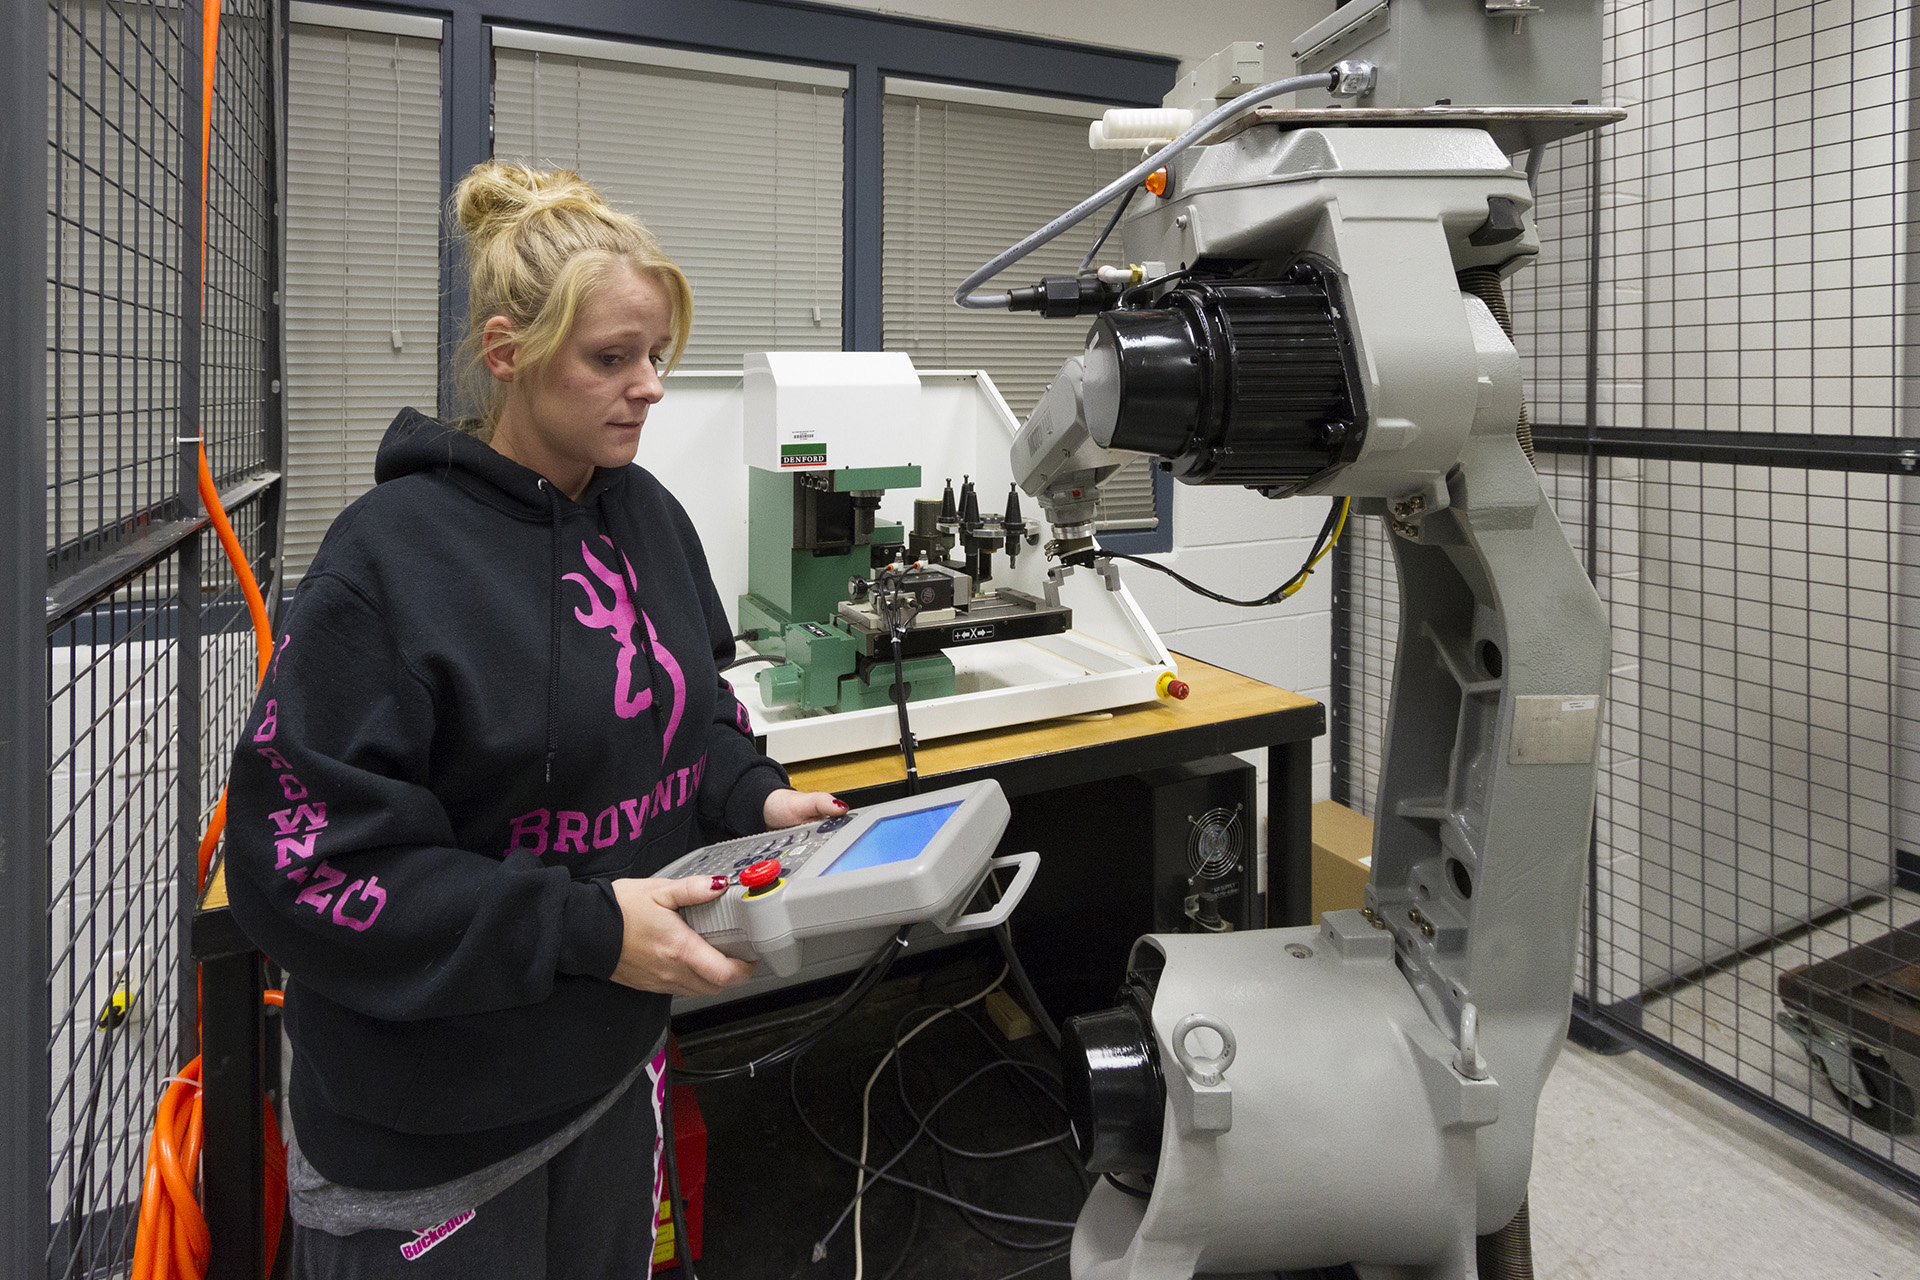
1216	696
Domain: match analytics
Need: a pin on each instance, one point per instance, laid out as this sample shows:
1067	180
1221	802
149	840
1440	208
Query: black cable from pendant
900	703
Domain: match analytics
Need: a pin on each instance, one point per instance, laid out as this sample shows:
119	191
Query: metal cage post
25	1005
273	520
187	623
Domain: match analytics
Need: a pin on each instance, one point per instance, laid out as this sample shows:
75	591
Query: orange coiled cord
172	1242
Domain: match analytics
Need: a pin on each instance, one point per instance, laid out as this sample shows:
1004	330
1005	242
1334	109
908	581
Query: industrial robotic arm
1363	1091
1057	461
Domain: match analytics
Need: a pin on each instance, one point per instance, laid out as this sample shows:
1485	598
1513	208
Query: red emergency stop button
761	874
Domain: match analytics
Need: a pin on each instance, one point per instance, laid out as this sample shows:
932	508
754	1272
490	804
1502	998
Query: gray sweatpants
586	1214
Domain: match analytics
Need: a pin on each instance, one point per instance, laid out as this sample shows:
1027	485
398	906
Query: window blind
738	175
962	180
363	273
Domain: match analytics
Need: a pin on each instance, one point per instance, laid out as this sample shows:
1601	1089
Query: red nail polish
719	883
839	804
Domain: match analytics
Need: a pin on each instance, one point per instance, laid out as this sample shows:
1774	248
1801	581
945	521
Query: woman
493	711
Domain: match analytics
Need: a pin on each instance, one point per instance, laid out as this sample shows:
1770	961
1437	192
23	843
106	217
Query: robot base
1340	1127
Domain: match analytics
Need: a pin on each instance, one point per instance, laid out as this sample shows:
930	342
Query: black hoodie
487	701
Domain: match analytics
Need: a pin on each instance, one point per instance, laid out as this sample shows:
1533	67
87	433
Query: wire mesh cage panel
1366	634
1770	607
1714	337
119	206
113	913
149	660
118	172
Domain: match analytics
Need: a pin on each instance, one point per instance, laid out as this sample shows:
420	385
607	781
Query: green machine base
927	677
820	672
796	577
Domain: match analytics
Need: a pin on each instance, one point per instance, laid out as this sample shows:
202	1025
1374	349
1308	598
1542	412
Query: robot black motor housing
1247	382
1115	1092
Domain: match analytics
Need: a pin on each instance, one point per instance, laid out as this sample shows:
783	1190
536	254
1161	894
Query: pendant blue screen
894	839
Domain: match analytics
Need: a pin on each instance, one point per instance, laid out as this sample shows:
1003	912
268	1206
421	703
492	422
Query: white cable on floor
866	1111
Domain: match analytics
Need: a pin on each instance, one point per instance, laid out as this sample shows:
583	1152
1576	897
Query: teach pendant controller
871	870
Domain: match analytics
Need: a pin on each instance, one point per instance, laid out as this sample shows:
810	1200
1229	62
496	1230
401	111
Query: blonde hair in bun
538	242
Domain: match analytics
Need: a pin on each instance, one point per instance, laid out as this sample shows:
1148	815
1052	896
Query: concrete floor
1639	1173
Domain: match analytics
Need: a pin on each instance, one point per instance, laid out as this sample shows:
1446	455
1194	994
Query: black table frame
238	1063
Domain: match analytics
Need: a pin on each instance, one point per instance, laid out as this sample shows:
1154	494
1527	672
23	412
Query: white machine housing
824	410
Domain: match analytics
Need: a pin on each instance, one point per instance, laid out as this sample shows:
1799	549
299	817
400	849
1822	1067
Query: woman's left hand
790	808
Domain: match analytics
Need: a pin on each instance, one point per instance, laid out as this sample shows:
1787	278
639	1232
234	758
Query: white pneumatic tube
965	295
1124	127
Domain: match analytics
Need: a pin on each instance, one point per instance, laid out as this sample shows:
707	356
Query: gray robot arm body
1395	210
1057	461
1380	1109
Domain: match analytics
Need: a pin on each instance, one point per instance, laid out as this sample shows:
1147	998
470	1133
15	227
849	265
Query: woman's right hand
660	951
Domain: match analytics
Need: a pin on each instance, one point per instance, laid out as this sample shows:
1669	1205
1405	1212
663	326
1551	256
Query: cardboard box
1342	858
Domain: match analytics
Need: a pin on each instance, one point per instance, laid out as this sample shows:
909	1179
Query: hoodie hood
416	444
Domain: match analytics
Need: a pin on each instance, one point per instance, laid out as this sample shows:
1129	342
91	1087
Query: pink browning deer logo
619	616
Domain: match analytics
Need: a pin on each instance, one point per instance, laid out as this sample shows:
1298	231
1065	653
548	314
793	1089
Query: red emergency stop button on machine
761	875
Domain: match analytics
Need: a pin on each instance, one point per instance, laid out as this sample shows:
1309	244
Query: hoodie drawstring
553	630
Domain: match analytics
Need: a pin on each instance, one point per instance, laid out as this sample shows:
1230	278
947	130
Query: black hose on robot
1106	231
1329	537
